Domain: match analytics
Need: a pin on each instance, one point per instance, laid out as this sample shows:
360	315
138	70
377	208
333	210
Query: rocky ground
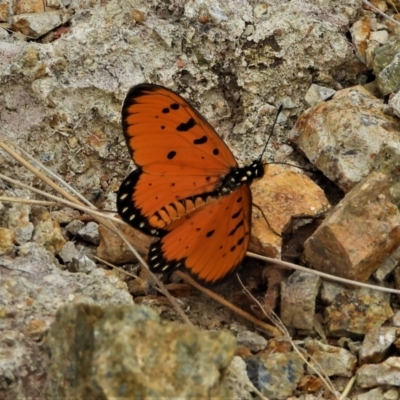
72	327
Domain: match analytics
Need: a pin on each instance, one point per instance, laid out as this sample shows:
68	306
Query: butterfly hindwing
202	244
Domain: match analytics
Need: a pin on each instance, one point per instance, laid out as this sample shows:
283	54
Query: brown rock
3	12
281	194
114	250
330	360
353	314
359	234
36	25
7	238
29	6
346	136
127	351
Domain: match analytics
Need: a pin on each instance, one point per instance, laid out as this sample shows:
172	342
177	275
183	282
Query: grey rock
251	340
90	233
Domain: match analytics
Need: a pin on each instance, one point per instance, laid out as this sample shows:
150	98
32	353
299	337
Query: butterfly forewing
163	130
178	152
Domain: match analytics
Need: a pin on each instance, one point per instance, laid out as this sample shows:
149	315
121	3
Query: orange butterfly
188	188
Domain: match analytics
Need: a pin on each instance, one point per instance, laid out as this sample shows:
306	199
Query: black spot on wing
201	140
215	152
174	106
165	110
234	216
171	155
185	126
210	233
232	232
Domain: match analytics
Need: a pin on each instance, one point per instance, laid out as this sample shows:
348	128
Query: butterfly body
188	189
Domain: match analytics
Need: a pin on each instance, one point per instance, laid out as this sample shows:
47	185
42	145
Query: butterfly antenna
272	130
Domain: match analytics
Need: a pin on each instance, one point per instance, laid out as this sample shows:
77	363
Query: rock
64	215
18	221
115	251
90	233
69	252
7	239
251	340
32	289
276	375
330	360
238	380
82	263
342	245
388	265
376	345
360	33
28	6
355	125
394	103
298	296
4	12
74	227
385	373
46	231
317	93
385	65
373	394
119	350
353	314
37	24
281	194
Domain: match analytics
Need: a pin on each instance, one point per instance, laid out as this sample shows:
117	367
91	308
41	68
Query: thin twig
377	10
285	264
272	316
271	330
101	220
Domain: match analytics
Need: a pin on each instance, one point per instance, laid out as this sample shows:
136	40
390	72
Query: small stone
354	313
275	375
29	6
115	251
251	340
47	231
82	263
394	102
7	238
386	66
238	380
376	345
388	265
18	221
317	93
68	252
65	215
385	373
4	12
37	24
298	295
360	32
90	233
330	360
396	319
379	36
74	227
373	394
